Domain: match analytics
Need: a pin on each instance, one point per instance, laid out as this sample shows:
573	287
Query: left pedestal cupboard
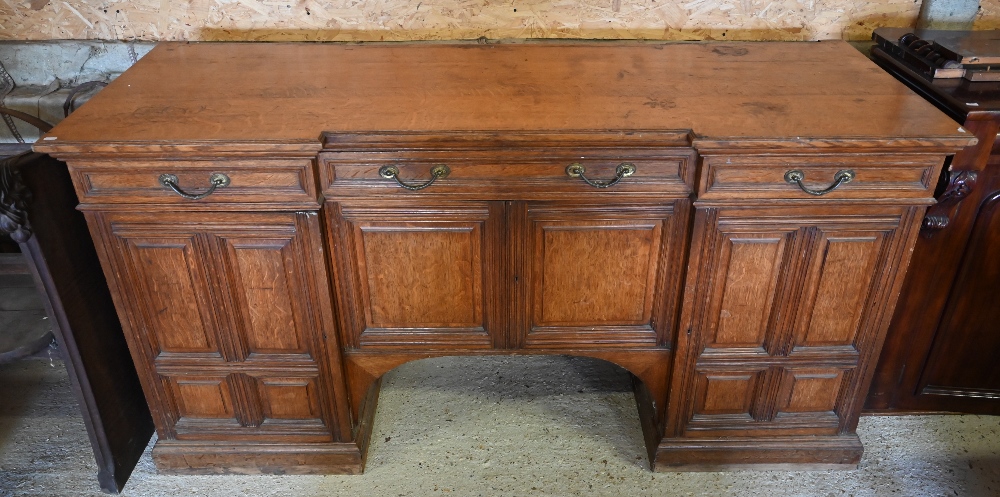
282	224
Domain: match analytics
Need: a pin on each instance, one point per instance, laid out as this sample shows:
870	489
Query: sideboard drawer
510	174
871	176
271	181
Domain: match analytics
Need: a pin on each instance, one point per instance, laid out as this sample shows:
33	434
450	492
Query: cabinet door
790	304
219	313
420	274
598	275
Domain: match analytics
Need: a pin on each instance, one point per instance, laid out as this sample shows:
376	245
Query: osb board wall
390	20
988	16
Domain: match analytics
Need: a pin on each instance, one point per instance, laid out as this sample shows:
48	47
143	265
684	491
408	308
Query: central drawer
504	174
508	165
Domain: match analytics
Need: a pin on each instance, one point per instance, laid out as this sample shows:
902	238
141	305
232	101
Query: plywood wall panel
988	16
392	20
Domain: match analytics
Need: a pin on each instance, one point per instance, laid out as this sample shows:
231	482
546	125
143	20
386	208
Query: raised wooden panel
844	272
173	293
420	274
289	398
262	269
749	272
811	389
725	392
962	365
774	401
595	273
202	397
598	275
426	276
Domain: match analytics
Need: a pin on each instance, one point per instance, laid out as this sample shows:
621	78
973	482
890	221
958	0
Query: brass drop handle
392	172
216	180
624	170
795	177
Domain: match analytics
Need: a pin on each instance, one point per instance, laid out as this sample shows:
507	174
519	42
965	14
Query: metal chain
69	105
6	86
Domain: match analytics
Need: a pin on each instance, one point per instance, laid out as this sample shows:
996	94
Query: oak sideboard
282	224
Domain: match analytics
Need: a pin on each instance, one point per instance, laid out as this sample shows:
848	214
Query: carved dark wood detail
940	350
935	223
14	199
960	185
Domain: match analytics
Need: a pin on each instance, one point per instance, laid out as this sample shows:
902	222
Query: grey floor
495	426
24	326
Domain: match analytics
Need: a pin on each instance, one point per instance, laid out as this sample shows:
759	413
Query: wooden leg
55	241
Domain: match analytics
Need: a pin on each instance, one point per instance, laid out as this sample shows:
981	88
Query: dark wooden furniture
941	350
317	255
38	209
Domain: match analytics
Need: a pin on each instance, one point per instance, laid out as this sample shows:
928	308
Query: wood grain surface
281	96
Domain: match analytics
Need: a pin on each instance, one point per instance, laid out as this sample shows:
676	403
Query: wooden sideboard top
278	96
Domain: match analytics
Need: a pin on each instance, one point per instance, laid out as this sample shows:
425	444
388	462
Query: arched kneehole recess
479	413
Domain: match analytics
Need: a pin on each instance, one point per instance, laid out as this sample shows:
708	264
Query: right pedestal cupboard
734	249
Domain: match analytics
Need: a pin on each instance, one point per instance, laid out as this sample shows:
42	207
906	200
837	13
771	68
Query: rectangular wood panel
749	272
418	273
725	392
174	295
202	397
596	273
843	275
261	268
423	277
289	398
811	389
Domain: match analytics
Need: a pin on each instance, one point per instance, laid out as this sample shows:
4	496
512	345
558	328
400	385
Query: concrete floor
24	326
495	426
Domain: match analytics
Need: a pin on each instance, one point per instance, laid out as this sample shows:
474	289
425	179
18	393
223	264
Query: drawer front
249	181
512	174
764	177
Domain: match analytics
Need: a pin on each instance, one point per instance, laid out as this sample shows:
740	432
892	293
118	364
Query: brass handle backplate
796	176
216	180
624	170
392	172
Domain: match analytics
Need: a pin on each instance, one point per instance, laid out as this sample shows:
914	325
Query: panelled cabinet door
224	313
598	275
789	305
420	274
